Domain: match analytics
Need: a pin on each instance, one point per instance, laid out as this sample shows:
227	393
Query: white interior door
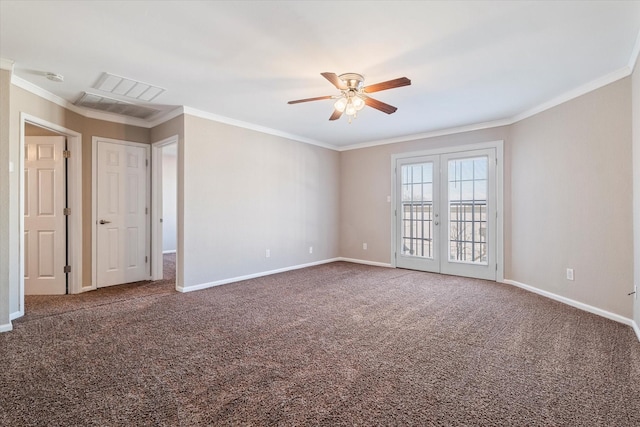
122	235
446	213
44	220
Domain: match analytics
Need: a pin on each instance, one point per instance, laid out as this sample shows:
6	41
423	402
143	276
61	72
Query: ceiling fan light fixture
357	102
341	104
350	110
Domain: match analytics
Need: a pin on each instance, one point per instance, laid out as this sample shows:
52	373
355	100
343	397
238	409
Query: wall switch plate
310	249
388	199
569	273
267	253
364	246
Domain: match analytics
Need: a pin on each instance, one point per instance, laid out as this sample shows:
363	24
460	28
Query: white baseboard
362	261
251	276
6	327
172	251
17	314
635	327
574	303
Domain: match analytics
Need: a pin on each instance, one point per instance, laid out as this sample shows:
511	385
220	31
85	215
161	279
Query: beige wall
245	192
635	123
365	184
5	202
23	101
567	198
571	199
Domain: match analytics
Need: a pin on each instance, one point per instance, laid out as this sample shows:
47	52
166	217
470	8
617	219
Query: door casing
499	147
74	192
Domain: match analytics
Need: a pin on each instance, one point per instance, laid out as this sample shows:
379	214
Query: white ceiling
470	62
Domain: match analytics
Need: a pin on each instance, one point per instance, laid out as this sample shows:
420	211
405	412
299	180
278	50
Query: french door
445	211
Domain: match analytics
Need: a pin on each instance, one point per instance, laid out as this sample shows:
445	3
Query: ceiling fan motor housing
352	80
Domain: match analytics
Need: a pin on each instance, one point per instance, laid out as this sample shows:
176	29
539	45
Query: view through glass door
446	213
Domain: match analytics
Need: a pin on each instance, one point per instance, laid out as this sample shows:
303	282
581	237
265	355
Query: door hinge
146	162
67	269
66	211
146	211
66	154
146	259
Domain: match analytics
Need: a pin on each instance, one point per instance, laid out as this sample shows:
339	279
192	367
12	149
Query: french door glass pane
468	180
417	210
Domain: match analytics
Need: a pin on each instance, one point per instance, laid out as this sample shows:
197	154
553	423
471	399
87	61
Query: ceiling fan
354	96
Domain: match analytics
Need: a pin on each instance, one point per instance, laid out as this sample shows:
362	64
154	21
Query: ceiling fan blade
297	101
336	115
378	105
390	84
335	80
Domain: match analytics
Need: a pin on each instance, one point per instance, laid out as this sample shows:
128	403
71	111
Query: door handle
102	221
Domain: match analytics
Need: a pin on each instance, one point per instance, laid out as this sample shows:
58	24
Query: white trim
6	64
156	205
94	202
166	117
572	303
567	96
85	112
172	251
252	276
246	125
365	262
431	134
74	192
6	327
498	145
636	329
554	102
16	315
575	93
633	59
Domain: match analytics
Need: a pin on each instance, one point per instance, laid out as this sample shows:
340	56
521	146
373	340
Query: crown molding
257	128
567	96
633	59
574	93
431	134
6	64
98	115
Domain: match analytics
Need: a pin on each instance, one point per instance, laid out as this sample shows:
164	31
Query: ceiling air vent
110	105
127	87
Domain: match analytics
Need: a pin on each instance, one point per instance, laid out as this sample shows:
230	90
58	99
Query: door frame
499	147
94	202
74	194
156	205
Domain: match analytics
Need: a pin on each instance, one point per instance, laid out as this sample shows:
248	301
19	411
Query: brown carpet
337	344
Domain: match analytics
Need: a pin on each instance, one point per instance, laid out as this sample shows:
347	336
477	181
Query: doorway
446	206
164	214
34	126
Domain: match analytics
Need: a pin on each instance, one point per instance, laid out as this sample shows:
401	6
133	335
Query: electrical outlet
364	246
569	273
267	253
310	249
